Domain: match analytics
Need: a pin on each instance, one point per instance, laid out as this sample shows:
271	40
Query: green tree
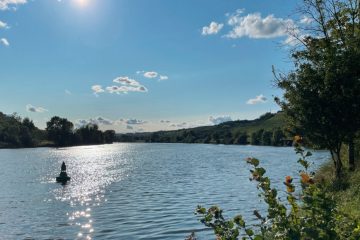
109	136
322	94
277	137
266	138
60	130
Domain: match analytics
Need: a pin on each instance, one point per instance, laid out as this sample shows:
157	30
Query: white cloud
126	81
259	99
126	89
3	25
213	28
306	20
135	122
221	119
97	89
163	78
255	26
68	92
31	108
151	74
6	4
97	120
165	121
126	85
179	125
4	42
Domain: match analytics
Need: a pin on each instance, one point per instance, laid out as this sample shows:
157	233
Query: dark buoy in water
63	177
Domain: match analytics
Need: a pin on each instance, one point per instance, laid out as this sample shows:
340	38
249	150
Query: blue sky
142	65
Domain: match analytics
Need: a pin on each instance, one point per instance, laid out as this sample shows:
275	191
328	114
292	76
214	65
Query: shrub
312	214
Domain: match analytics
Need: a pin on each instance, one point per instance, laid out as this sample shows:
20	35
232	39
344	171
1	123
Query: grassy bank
347	191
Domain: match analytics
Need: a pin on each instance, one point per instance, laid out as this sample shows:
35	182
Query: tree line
17	132
61	131
261	137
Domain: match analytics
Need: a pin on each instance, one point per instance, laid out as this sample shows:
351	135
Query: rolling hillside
268	129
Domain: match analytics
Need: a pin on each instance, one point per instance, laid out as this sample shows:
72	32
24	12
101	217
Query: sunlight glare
82	3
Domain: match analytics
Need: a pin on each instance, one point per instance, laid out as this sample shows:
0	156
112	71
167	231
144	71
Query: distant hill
268	129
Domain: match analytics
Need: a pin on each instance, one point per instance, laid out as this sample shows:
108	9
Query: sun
82	3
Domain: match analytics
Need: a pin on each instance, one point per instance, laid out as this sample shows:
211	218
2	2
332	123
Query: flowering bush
311	215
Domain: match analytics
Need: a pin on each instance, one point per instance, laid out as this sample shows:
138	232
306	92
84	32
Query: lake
132	191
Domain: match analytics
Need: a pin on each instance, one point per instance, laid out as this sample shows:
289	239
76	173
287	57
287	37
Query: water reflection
91	170
130	191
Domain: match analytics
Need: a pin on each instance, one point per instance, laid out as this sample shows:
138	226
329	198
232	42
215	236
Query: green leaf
258	237
249	232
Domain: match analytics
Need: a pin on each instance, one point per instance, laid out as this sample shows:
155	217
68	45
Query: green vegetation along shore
267	130
16	132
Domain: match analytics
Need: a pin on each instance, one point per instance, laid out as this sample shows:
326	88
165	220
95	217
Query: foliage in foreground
310	214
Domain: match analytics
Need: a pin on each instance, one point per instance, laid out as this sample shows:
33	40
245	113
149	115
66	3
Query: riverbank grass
346	192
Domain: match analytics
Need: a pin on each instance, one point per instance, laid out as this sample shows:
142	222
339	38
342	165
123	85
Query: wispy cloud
212	29
253	25
179	125
135	122
218	120
165	121
163	78
4	42
67	92
3	25
11	4
306	20
31	108
258	99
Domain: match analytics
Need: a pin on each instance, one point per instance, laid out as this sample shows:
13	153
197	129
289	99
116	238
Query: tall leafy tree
60	130
322	94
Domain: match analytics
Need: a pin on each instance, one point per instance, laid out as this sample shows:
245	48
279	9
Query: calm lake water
131	191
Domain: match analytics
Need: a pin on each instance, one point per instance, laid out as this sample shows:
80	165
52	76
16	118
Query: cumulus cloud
3	25
259	99
126	85
126	81
212	29
4	42
97	120
151	74
97	89
255	26
135	122
31	108
7	4
125	89
218	120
